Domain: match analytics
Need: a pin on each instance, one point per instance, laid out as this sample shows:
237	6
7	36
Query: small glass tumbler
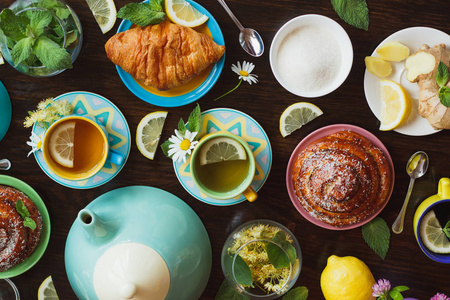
69	30
8	290
261	245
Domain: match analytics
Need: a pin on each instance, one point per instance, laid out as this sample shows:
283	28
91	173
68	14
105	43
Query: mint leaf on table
299	293
353	12
194	120
143	14
242	271
377	235
277	256
22	50
165	148
51	54
395	293
446	229
182	126
227	292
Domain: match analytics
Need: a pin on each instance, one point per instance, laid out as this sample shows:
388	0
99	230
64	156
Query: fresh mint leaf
165	148
377	235
39	19
62	12
29	222
25	214
56	7
51	54
442	74
22	50
446	229
194	120
242	271
395	293
71	37
299	293
14	27
353	12
444	96
227	292
182	127
277	256
143	14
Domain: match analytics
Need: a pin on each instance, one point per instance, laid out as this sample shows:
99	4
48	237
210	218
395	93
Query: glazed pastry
342	179
163	56
17	242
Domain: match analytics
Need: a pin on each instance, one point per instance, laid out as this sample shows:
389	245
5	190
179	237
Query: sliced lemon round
149	131
395	105
297	115
221	149
47	290
183	13
378	66
61	144
393	51
432	235
104	12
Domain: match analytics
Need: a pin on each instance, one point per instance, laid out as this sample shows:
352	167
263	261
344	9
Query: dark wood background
405	264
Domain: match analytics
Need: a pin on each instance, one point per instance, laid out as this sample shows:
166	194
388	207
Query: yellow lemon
47	290
395	105
104	12
183	13
378	66
346	278
149	131
61	144
297	115
393	51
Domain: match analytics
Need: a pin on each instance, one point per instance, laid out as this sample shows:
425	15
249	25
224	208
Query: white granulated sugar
309	59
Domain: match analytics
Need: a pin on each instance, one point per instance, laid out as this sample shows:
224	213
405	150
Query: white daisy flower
35	142
182	145
245	71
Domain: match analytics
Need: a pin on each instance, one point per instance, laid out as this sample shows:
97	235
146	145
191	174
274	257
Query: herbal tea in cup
76	148
223	167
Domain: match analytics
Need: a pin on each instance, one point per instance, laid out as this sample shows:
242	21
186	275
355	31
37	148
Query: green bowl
45	235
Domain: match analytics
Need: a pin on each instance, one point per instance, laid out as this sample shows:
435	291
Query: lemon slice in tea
433	237
221	149
47	290
61	144
149	131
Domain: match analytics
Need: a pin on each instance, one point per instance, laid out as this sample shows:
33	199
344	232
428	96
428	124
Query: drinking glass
8	290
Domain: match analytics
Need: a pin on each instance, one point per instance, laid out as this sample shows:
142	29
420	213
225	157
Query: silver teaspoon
416	167
5	164
249	39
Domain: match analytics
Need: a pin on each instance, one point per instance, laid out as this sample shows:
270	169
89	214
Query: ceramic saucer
5	111
238	123
116	125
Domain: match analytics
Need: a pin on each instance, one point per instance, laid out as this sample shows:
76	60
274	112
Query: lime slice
221	149
149	131
432	235
297	115
104	12
183	13
47	290
61	144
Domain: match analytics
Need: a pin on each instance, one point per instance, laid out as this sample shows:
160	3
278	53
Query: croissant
17	242
342	179
165	55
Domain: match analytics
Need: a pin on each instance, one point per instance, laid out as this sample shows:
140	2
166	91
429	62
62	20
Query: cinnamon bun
17	241
342	178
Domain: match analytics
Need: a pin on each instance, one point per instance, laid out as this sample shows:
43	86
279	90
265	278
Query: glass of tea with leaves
40	38
261	259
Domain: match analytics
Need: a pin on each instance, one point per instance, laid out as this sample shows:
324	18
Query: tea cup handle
115	157
250	194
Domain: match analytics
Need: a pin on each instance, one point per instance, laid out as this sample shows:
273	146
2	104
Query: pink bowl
322	132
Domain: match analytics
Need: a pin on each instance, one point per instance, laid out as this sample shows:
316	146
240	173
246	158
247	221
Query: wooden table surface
405	263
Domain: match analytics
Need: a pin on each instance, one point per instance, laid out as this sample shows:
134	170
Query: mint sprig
25	214
377	235
442	77
143	14
446	229
353	12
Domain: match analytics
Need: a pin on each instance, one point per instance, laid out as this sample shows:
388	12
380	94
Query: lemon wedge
149	131
104	12
377	66
2	61
297	115
221	149
47	290
183	13
61	144
395	105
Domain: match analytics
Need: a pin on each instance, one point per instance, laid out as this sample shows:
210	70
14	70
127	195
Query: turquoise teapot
138	243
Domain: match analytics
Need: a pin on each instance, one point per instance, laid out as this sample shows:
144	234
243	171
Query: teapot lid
131	271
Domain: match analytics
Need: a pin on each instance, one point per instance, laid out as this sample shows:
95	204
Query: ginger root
421	67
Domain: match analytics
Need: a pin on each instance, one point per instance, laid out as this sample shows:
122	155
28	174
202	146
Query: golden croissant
165	55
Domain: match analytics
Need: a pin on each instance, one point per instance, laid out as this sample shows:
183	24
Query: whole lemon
346	278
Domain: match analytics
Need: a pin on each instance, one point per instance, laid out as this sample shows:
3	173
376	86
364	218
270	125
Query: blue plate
5	111
189	97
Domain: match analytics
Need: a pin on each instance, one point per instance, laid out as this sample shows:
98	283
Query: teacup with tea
76	147
223	167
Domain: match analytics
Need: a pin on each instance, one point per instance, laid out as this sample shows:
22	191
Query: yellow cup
222	180
91	149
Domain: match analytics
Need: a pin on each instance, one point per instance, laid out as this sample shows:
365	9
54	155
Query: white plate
413	37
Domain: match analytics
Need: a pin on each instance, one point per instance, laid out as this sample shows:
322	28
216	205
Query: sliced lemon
47	290
377	66
393	51
61	144
104	12
297	115
432	235
183	13
149	131
1	59
221	149
395	105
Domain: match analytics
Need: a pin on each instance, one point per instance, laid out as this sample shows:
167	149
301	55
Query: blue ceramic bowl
5	111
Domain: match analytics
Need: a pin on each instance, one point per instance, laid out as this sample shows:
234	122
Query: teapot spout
96	229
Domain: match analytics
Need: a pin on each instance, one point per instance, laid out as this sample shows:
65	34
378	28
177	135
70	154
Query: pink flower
382	288
440	297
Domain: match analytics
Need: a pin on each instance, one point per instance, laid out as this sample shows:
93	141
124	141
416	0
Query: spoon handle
5	164
397	226
233	17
